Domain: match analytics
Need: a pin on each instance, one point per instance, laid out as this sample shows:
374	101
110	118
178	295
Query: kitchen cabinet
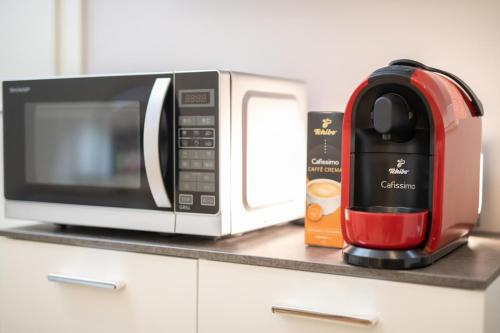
241	298
194	284
157	294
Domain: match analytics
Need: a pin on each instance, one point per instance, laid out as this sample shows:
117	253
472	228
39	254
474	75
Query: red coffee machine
411	145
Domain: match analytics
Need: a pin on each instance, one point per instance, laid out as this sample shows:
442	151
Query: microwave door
151	141
95	142
93	151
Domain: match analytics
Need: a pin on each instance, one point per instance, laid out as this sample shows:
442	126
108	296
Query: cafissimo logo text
398	170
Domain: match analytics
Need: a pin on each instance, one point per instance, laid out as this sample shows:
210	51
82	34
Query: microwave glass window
83	144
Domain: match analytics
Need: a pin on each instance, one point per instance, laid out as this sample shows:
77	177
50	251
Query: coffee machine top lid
474	100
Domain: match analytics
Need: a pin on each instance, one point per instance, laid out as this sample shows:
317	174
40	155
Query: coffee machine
411	147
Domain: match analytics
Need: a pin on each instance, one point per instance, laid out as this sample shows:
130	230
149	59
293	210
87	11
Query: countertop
472	266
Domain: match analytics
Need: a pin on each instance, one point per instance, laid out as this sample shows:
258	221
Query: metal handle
365	321
151	142
114	285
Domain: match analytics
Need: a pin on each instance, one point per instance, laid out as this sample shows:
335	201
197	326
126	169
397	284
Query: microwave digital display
196	98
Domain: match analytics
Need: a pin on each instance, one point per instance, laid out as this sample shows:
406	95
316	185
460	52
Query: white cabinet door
159	293
240	298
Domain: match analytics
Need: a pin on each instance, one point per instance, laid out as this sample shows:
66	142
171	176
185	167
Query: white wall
27	49
26	38
332	44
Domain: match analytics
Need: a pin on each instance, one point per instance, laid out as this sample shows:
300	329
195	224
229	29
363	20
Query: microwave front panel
79	140
197	133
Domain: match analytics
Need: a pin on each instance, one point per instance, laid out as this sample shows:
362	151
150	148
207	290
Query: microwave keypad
196	121
196	135
196	171
197	181
203	138
197	176
204	143
196	162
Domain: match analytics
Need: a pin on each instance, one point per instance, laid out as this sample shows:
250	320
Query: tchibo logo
19	90
398	170
326	122
324	130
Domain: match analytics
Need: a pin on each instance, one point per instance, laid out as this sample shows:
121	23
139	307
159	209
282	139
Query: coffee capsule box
322	221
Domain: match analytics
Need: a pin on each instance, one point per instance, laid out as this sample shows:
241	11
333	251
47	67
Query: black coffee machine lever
392	115
476	103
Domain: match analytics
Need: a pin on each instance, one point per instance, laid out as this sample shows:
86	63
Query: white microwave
204	152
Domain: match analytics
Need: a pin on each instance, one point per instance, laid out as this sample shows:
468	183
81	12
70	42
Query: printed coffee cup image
324	193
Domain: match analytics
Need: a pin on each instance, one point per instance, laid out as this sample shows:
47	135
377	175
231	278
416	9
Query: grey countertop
473	266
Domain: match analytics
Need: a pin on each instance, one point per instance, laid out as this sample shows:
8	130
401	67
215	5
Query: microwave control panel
196	142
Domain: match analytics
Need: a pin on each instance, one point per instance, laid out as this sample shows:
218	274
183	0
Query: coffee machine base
397	259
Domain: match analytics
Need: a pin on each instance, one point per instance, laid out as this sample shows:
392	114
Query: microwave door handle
151	143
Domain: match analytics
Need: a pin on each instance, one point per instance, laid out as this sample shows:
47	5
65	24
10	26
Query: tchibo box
322	222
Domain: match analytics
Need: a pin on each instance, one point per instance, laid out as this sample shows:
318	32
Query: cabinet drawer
240	298
158	293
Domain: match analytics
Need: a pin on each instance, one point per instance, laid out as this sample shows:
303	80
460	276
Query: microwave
202	152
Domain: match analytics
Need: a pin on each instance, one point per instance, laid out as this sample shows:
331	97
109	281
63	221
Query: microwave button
206	177
189	176
206	187
184	164
184	133
191	154
196	143
208	154
185	142
187	121
208	133
205	121
195	154
184	154
208	200
209	143
209	164
196	164
185	199
187	186
195	133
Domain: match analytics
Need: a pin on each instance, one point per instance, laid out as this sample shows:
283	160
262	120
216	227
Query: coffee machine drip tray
397	259
394	228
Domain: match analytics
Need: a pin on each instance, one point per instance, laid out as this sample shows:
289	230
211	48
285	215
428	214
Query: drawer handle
114	285
337	318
